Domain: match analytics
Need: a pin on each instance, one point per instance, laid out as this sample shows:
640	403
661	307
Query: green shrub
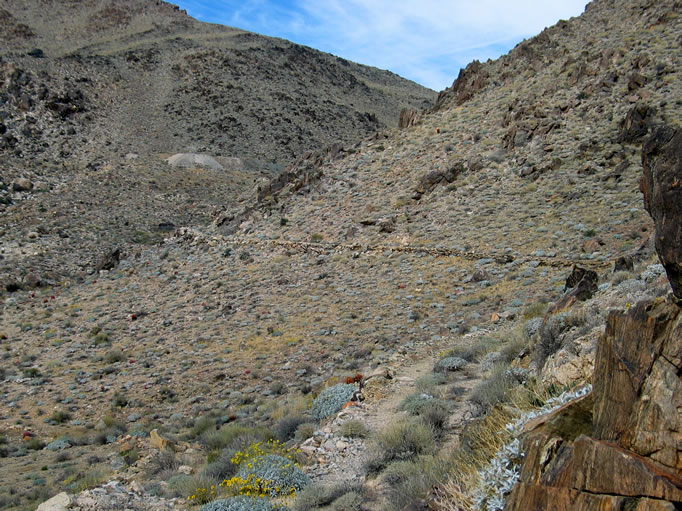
428	383
403	440
114	356
353	428
411	480
493	390
222	467
352	501
236	436
60	416
195	488
304	431
163	461
318	495
331	400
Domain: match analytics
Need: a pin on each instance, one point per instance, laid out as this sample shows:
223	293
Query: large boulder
661	185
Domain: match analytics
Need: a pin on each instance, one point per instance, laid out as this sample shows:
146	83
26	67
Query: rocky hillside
142	76
425	270
94	94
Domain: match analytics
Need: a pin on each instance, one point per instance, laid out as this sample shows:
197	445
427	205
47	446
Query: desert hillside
415	318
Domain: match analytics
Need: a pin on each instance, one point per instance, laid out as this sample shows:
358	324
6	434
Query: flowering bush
270	474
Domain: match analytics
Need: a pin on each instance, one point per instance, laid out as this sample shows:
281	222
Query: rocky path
343	460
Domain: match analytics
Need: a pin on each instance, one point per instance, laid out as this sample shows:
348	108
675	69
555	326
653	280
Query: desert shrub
316	237
201	425
60	416
304	431
164	461
410	480
621	276
318	495
534	310
448	364
331	400
550	334
221	467
351	501
494	389
286	428
34	444
197	489
242	503
516	343
277	474
101	338
435	414
114	356
235	436
399	472
428	383
353	428
400	441
470	352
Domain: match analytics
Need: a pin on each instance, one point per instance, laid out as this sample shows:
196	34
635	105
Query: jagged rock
409	117
580	285
636	123
305	171
387	225
430	180
574	363
470	80
109	261
661	185
624	263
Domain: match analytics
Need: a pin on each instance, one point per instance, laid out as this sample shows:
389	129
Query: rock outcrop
623	450
661	185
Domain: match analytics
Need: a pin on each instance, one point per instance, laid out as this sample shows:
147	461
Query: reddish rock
528	497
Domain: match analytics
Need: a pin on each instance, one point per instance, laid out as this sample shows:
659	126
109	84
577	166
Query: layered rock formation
621	448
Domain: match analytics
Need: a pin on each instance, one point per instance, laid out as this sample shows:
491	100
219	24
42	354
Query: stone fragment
60	502
22	185
156	441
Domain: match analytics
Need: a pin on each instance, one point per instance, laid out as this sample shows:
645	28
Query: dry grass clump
401	441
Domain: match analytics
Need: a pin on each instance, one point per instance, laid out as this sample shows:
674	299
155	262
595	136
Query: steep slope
358	261
536	152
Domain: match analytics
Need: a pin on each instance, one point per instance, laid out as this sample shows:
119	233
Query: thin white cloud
426	40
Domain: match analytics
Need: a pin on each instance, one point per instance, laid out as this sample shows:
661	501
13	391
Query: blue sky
427	41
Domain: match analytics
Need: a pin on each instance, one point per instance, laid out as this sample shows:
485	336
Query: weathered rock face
628	454
661	185
625	449
470	81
